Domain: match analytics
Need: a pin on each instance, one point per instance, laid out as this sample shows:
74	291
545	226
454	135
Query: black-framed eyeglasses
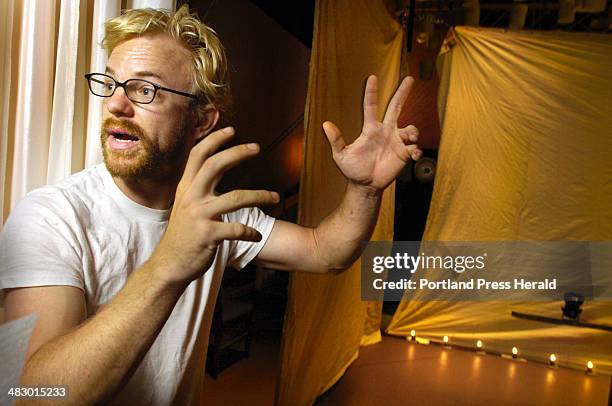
137	90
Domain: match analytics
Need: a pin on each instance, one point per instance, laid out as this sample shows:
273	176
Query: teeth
124	137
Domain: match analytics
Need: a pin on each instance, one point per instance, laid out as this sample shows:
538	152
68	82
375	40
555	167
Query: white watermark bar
486	270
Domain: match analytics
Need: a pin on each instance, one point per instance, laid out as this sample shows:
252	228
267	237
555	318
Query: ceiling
297	17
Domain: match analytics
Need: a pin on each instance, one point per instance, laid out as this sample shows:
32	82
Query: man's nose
119	105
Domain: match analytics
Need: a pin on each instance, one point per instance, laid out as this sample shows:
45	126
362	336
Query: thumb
334	136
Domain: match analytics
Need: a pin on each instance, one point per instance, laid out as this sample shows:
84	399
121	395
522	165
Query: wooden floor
251	381
396	372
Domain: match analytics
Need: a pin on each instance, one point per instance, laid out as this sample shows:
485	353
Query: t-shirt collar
129	206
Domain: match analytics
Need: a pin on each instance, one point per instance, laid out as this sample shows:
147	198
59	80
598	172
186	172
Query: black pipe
410	25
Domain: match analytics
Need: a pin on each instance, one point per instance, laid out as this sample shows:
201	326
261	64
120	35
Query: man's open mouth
123	136
121	139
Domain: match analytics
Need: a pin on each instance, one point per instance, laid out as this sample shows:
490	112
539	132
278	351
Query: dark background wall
269	76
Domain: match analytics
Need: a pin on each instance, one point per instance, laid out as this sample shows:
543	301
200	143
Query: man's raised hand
195	228
382	149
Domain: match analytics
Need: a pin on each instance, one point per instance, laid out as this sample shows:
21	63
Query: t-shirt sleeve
39	246
243	252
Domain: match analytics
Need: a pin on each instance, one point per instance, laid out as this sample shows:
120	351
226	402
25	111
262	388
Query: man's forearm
97	358
340	235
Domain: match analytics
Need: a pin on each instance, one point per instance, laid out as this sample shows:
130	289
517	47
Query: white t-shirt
85	232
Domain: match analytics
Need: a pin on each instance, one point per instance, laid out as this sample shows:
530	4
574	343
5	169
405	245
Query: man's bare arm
96	358
333	245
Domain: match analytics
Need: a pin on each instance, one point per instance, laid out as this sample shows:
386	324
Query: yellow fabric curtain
525	154
324	322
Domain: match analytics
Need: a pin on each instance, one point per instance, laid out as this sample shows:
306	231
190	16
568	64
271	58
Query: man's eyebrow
139	73
150	74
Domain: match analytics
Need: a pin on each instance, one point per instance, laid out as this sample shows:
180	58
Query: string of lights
479	347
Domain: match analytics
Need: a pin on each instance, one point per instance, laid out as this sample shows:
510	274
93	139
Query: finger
370	101
397	102
238	199
216	165
204	149
415	152
409	134
334	136
235	231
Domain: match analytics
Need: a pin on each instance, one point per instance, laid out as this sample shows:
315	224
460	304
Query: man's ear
206	118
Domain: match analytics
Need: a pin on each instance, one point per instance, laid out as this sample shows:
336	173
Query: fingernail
228	130
254	146
275	196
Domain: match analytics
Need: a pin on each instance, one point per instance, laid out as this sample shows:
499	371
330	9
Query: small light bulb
445	339
552	359
412	333
514	352
422	38
479	344
590	366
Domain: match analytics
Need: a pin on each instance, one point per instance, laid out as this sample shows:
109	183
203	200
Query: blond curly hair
210	79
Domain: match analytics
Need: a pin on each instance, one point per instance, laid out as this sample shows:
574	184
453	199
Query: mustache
127	126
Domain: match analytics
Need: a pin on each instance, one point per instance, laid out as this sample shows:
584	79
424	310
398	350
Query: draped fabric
103	10
49	124
324	321
7	12
525	154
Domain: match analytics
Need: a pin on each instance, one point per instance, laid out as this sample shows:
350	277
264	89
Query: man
122	262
